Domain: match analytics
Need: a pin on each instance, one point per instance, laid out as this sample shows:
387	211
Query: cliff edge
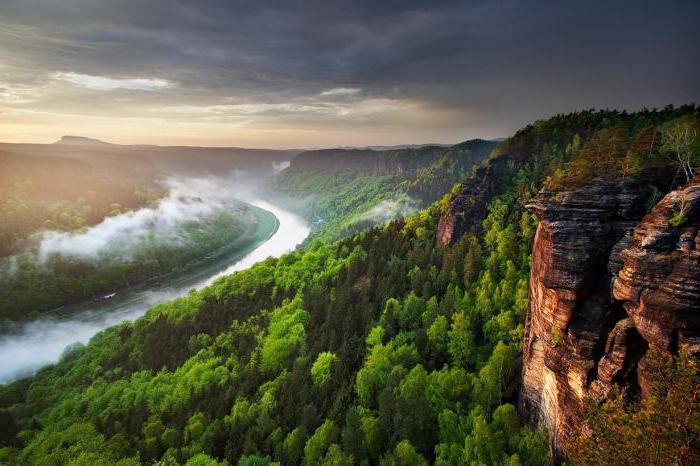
607	282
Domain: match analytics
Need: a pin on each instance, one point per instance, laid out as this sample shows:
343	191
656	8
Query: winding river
41	342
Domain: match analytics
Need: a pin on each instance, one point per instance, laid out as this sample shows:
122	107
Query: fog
279	166
42	342
398	206
188	199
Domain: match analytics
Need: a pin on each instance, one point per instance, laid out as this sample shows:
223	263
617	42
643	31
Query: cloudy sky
323	73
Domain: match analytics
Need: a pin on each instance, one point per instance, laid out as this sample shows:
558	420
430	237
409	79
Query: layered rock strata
603	288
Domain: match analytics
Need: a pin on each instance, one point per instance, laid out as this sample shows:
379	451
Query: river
42	342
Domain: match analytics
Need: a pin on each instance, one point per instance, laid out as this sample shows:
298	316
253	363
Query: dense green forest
342	192
381	348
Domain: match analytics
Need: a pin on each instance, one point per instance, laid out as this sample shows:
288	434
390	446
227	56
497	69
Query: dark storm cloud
487	66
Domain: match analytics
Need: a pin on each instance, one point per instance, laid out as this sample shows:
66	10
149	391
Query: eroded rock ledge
603	288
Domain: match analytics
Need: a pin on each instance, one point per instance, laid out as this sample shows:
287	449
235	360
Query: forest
383	347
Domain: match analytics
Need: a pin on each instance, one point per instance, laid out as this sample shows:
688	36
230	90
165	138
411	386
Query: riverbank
263	226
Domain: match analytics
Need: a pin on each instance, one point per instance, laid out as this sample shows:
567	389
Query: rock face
468	208
659	282
603	288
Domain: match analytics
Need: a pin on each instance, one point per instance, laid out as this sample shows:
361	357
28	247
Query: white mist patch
389	209
279	166
9	265
189	199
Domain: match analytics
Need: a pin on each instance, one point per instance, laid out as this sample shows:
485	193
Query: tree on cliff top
680	140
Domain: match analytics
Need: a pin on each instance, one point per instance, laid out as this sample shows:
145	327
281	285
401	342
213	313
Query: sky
332	73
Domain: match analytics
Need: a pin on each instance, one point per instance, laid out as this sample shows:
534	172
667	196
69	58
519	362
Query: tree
321	368
254	460
320	441
353	439
438	334
679	139
461	346
201	459
336	457
404	455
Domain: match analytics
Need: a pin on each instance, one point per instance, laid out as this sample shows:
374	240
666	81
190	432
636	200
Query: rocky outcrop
571	313
603	288
468	207
659	283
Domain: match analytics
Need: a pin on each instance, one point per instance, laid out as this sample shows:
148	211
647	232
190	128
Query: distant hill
396	147
389	162
82	141
147	160
344	191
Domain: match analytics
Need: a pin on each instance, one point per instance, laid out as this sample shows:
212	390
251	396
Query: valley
480	320
349	233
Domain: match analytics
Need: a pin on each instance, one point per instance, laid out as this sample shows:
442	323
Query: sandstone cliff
468	208
607	282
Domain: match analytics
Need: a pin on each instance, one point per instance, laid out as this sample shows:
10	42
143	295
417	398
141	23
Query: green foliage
681	141
380	348
255	460
404	455
286	334
375	336
654	198
556	335
321	369
346	191
677	219
406	348
338	203
320	441
201	459
50	192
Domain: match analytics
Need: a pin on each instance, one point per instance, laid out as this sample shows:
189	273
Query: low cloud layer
395	207
189	199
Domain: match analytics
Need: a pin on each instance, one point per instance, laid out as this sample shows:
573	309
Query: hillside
406	344
344	191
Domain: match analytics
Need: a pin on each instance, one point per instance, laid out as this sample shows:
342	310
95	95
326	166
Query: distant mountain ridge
82	141
88	141
380	148
144	159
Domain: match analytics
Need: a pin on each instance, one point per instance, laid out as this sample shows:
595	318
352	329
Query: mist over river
42	342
